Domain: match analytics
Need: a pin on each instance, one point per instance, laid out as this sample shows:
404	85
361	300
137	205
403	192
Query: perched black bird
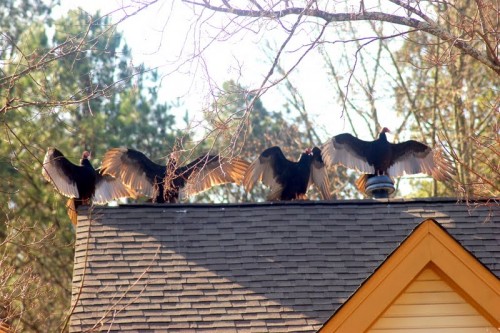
381	157
171	183
81	183
288	180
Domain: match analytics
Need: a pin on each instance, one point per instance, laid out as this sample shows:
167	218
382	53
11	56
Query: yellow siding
430	304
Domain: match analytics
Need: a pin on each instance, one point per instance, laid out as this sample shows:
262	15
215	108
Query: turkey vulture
380	157
288	180
81	183
170	183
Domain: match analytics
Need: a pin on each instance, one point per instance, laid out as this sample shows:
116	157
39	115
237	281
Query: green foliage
263	129
455	105
15	16
86	97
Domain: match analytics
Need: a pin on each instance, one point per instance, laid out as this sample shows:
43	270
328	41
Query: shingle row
248	268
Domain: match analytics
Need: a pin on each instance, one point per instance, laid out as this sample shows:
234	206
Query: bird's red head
308	151
86	155
385	130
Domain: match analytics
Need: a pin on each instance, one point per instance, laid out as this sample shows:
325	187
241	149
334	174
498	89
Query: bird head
308	151
382	135
86	155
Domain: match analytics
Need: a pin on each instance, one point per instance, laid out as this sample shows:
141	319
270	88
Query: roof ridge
318	202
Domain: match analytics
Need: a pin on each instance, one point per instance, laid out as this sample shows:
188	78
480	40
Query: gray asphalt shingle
280	267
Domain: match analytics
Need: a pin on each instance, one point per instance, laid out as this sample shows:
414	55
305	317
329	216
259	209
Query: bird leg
301	197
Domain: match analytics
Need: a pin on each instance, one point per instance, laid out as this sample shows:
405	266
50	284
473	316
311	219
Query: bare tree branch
427	25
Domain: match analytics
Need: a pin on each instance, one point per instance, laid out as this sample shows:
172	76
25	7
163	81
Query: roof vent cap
380	187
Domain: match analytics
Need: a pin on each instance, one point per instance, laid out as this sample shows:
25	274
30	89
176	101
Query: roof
269	267
430	249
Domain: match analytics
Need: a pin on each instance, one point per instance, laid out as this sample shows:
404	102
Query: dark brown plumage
81	183
288	180
381	157
171	183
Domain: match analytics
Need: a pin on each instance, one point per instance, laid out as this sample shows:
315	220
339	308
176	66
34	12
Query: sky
159	39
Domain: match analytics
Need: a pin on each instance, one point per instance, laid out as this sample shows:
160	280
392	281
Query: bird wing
109	188
207	171
71	210
349	151
361	182
266	168
133	168
60	172
412	157
319	176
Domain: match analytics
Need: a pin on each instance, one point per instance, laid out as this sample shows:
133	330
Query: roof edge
429	243
396	201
